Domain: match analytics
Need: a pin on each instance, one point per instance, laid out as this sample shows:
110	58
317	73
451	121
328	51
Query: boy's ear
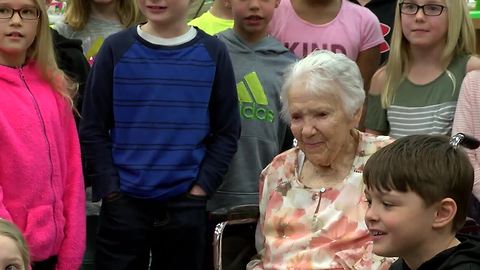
227	3
446	211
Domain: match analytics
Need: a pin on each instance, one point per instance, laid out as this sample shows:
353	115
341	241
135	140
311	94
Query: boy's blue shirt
159	119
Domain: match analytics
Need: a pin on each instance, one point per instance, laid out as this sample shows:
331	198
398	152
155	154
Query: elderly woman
312	202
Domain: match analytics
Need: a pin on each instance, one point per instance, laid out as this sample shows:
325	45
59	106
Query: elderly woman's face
319	123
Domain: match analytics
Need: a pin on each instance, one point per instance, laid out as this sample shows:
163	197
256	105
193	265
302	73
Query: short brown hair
427	165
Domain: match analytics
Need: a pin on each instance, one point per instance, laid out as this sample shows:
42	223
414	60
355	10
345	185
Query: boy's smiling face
399	222
252	16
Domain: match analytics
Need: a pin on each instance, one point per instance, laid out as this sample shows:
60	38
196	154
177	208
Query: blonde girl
41	186
417	91
14	254
94	20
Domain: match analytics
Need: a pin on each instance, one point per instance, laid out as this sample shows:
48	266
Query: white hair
322	72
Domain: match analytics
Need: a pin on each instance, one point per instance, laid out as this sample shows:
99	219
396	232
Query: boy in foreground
418	190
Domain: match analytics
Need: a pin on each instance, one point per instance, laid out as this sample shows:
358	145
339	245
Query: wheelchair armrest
236	212
238	215
218	234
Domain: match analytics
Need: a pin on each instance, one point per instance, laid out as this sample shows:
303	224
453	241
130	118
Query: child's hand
113	196
197	191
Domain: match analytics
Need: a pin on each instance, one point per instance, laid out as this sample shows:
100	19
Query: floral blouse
302	228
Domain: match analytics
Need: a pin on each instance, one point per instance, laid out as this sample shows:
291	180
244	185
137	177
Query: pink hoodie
41	184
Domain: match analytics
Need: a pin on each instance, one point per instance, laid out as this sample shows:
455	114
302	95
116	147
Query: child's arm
368	59
95	126
368	62
369	56
473	63
73	245
467	120
224	124
376	117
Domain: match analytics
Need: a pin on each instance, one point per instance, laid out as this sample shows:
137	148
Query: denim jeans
135	233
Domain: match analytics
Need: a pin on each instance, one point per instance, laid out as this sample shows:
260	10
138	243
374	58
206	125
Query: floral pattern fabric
302	228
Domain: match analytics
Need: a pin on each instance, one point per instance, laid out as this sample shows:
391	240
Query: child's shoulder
276	47
267	46
120	42
115	46
212	44
464	256
467	253
208	40
473	63
378	82
125	34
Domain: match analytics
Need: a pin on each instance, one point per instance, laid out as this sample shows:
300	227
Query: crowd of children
169	120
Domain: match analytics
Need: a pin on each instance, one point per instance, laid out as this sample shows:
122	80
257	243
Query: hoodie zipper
44	133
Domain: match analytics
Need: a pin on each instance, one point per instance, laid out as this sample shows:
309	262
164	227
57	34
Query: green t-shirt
211	24
420	109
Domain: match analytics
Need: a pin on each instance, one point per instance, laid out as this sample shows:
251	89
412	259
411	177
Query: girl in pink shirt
41	186
335	25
